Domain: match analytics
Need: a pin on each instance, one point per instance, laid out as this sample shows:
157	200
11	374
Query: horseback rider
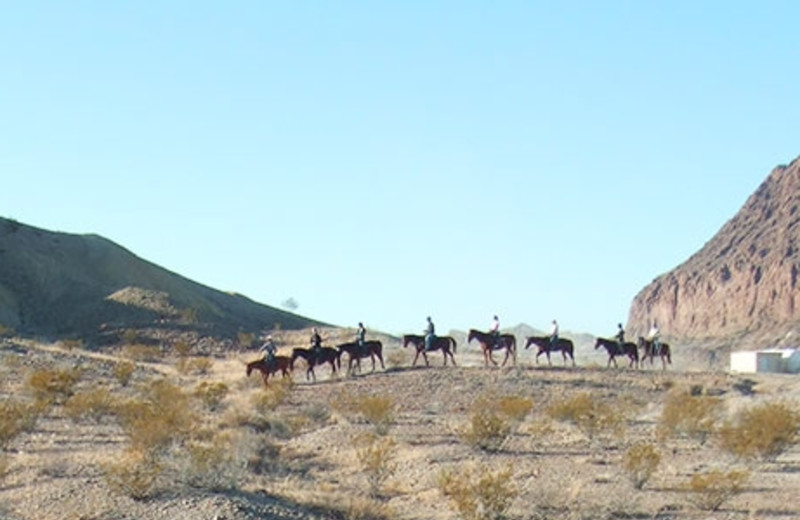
360	336
269	349
316	343
620	336
429	334
494	330
654	337
554	336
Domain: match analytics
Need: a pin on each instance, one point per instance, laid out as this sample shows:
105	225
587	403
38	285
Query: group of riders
269	348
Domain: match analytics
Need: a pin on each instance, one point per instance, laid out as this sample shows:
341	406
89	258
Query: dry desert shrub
713	488
379	411
53	385
142	353
123	372
71	344
91	405
182	348
211	394
640	462
194	365
245	339
161	414
134	474
588	413
6	331
396	358
762	432
376	456
17	418
218	463
363	508
478	493
5	464
694	416
493	420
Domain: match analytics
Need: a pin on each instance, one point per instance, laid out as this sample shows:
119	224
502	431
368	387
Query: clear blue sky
385	161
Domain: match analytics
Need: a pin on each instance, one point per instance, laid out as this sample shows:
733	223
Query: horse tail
453	341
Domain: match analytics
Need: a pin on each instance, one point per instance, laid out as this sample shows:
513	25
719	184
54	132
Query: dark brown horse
444	343
370	349
614	349
282	363
488	344
325	355
545	347
649	350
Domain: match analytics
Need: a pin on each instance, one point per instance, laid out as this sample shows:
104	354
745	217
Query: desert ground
216	444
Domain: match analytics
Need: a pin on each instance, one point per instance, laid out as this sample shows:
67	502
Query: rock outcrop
740	289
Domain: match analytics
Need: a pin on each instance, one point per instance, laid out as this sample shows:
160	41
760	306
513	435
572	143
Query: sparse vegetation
16	418
6	331
376	456
493	420
694	416
53	385
640	462
713	488
378	411
123	372
478	493
142	353
90	405
588	413
134	474
763	431
211	394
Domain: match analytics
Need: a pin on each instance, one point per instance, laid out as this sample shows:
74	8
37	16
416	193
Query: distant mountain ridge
59	284
741	289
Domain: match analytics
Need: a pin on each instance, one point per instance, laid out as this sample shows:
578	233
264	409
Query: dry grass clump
361	508
376	456
713	488
763	431
134	474
123	372
142	353
211	395
71	344
5	330
17	418
53	385
273	396
640	462
589	414
493	420
379	411
694	416
91	405
478	493
216	463
194	365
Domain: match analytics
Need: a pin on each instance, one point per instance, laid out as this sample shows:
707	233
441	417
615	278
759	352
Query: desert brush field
175	430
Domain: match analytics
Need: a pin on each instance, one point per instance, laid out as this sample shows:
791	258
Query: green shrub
588	413
694	416
713	488
763	431
640	462
478	493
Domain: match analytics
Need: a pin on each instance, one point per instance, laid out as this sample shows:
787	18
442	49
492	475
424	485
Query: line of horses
488	342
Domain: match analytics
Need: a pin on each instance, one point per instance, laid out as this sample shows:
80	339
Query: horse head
473	334
598	343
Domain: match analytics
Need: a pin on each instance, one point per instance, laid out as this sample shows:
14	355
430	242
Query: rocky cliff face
741	289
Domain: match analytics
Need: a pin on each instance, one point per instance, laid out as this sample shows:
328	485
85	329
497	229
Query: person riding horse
269	349
554	336
620	336
316	343
654	337
361	334
494	330
430	335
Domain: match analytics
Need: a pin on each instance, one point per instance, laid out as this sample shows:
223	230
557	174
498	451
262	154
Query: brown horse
545	347
649	350
325	355
488	344
444	343
282	363
370	349
613	348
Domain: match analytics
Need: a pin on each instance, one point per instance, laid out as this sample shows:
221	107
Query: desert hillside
741	288
83	286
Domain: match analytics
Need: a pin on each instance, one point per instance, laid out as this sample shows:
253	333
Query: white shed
768	360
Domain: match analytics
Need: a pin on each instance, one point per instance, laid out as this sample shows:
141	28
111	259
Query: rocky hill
65	285
741	289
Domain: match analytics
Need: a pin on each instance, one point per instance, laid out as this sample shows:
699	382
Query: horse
488	344
443	343
282	363
613	348
649	351
545	347
371	349
325	355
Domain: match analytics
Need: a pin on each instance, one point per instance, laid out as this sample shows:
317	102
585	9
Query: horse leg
416	356
425	357
548	358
